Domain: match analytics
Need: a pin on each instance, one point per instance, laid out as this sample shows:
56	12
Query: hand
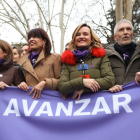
92	84
64	96
116	88
23	86
3	85
77	93
37	90
137	78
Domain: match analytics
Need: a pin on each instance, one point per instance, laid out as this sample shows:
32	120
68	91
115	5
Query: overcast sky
10	35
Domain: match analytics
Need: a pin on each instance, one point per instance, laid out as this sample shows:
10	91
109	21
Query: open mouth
32	43
81	41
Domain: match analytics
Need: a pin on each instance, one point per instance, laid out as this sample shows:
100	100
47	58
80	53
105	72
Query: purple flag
96	116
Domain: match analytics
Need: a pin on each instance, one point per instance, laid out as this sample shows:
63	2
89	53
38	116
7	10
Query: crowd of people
84	66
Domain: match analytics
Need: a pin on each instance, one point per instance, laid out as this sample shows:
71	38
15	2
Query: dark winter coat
10	74
99	69
122	73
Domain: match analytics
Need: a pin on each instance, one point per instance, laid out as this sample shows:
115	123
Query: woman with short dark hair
42	68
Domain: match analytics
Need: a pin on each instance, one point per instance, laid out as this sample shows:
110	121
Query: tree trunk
128	9
61	27
119	10
133	2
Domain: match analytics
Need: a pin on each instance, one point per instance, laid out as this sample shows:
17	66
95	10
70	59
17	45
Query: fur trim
68	57
98	52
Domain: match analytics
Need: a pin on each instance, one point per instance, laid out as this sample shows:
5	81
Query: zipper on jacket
82	63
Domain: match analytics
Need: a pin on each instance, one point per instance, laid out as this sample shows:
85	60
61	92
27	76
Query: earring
43	47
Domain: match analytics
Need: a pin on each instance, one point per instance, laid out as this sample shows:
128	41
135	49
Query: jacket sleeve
66	85
18	76
52	83
107	79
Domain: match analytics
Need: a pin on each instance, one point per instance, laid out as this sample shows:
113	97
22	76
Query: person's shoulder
23	58
54	57
110	49
137	44
14	68
110	46
55	54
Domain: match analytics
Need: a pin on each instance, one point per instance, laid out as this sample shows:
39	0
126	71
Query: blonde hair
95	40
6	47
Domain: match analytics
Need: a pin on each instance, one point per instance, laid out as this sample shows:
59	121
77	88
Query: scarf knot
81	52
126	51
33	57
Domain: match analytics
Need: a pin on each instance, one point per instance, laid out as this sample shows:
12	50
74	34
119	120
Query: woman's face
36	43
2	53
83	37
16	55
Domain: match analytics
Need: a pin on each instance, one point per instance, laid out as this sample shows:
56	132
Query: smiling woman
86	67
83	37
42	68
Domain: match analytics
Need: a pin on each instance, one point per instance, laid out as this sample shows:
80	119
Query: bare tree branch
19	19
13	21
23	15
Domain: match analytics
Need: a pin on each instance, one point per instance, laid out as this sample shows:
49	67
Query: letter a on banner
97	106
13	102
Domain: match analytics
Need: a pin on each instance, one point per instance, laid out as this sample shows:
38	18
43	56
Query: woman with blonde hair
86	68
10	75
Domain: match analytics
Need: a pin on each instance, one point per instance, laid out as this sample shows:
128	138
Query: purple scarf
81	52
33	57
2	60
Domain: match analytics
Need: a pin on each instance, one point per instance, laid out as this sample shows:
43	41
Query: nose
81	36
125	31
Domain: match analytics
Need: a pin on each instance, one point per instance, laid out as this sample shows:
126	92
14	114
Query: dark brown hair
40	33
6	47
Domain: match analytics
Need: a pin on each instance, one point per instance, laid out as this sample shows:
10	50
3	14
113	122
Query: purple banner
96	116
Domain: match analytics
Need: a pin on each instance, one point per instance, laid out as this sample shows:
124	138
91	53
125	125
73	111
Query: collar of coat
68	57
6	65
25	58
